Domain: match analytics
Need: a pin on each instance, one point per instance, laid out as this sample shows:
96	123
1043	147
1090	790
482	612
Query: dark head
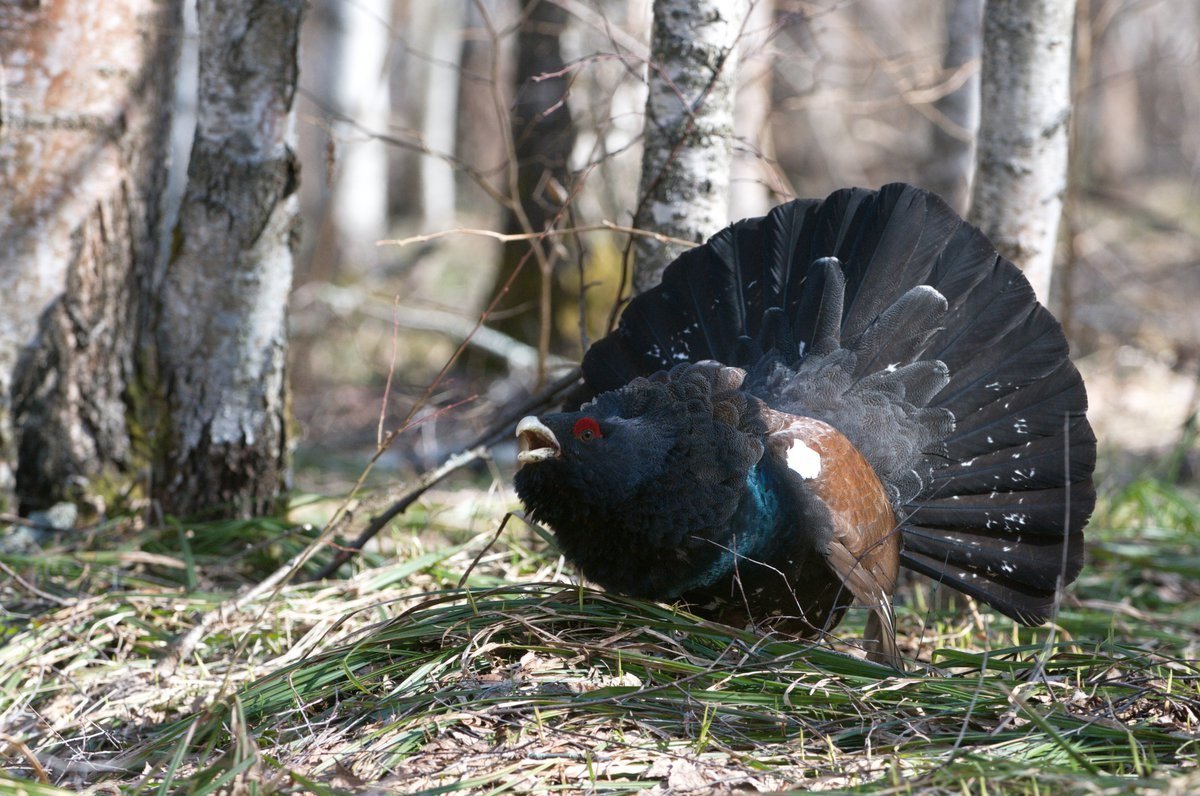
638	483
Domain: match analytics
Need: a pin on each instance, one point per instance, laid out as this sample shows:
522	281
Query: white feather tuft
803	460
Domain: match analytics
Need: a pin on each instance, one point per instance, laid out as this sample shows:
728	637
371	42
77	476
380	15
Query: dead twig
510	237
467	572
474	452
29	587
15	744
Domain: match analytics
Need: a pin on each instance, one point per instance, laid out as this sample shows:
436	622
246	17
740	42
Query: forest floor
420	673
454	655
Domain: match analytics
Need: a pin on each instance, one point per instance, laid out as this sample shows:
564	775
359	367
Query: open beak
535	442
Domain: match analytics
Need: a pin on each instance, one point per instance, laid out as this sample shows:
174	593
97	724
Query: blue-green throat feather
755	529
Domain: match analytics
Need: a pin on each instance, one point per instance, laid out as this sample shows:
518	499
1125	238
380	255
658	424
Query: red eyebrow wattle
586	424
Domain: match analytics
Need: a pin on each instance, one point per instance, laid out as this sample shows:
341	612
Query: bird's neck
754	529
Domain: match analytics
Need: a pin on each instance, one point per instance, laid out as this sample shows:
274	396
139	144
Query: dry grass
396	679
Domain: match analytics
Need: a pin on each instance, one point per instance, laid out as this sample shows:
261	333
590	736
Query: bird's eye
586	429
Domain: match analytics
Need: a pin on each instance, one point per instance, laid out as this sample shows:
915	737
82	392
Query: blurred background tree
486	133
829	94
538	145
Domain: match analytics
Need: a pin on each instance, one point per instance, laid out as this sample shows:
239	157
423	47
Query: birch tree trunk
689	128
360	202
85	92
221	332
349	66
952	166
1021	174
443	21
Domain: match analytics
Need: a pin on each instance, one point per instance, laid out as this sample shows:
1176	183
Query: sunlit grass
399	678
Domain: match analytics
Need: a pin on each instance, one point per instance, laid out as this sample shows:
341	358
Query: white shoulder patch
803	460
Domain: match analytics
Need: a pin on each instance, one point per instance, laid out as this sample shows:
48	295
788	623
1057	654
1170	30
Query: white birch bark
84	112
1021	173
359	87
222	330
689	127
444	21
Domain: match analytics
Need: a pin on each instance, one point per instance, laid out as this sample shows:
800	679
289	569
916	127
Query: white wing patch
803	460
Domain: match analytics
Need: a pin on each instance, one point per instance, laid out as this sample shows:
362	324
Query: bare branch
605	226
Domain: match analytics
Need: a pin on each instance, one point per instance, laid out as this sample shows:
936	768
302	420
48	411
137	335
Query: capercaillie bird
812	399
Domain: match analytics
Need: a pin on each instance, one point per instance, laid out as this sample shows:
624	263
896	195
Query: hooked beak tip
536	442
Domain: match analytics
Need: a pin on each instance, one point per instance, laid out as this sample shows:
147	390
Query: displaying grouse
811	399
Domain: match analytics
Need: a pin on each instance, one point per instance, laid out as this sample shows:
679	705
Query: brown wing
865	548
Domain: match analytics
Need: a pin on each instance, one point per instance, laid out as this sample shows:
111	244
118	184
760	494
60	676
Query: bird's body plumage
811	398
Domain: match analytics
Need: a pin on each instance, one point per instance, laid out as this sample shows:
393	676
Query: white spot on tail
803	460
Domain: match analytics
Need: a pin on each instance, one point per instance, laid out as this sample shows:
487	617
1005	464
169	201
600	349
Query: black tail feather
1041	512
919	309
1031	562
1025	603
1035	410
1035	465
826	334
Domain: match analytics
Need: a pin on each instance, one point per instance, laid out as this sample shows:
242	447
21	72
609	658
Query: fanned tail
890	299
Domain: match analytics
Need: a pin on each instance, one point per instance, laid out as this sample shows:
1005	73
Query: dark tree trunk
542	136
